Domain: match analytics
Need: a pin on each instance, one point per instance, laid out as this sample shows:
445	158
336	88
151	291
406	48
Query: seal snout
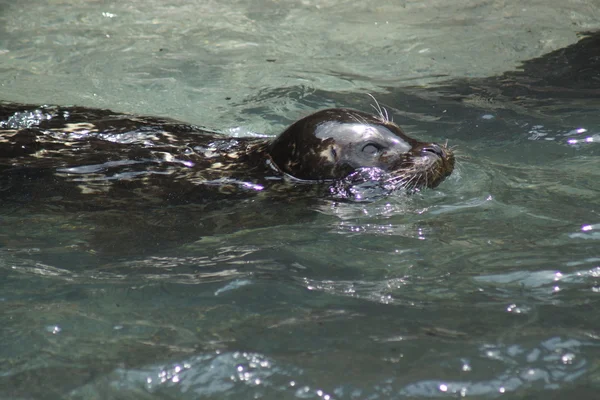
434	148
437	153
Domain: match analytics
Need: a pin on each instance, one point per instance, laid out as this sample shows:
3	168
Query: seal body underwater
153	170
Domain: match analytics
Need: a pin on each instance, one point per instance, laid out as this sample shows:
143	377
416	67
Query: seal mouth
425	166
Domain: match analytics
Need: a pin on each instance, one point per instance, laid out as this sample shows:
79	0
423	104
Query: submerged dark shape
152	180
556	83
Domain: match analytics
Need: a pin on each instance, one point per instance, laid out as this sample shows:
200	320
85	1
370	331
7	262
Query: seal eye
371	149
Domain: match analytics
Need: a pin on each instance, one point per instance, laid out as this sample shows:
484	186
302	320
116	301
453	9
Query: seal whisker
357	118
414	180
382	112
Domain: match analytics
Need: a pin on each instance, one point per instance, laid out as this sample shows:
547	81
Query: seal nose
435	149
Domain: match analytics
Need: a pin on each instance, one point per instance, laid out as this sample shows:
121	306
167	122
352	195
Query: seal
114	184
78	151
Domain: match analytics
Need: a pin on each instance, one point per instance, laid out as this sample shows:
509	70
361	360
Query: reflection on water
484	287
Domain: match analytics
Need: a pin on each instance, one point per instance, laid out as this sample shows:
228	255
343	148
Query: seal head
338	143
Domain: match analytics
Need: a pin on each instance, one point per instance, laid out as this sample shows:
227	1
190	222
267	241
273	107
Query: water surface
485	287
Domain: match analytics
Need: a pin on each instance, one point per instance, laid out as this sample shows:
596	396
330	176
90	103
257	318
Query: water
485	287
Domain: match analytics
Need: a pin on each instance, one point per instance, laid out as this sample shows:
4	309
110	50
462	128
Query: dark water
485	287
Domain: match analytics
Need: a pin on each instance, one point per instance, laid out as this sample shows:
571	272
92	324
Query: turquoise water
485	287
